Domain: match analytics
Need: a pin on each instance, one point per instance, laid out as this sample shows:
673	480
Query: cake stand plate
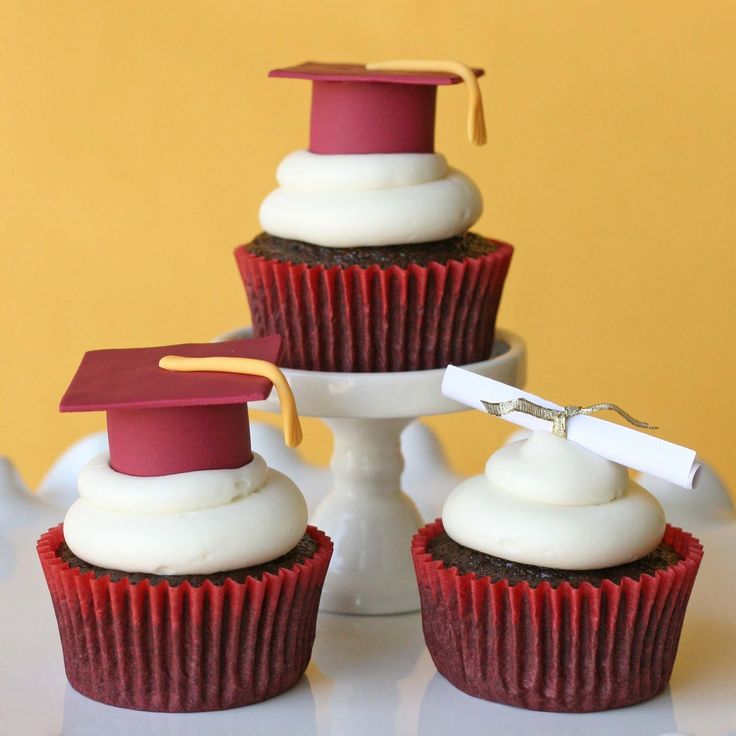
369	675
367	515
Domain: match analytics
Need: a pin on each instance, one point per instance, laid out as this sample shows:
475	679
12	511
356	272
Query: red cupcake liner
184	648
556	649
372	319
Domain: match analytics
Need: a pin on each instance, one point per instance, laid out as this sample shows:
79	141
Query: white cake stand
370	520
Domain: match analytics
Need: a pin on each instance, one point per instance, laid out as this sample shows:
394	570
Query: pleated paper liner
359	319
184	648
556	649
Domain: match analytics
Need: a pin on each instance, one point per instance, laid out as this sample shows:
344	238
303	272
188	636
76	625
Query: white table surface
368	675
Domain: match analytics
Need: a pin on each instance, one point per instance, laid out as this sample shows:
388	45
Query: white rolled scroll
620	444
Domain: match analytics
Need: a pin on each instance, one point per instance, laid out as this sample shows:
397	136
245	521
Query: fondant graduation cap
193	416
386	107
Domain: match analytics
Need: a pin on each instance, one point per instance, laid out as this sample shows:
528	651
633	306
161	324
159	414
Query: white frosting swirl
549	502
369	199
200	522
306	172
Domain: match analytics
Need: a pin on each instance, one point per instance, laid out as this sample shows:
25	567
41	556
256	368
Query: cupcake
185	577
552	581
367	261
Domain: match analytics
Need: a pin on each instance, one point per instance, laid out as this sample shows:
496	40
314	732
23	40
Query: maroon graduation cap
387	107
163	421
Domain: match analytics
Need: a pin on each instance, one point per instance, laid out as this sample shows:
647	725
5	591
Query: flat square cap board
360	110
161	422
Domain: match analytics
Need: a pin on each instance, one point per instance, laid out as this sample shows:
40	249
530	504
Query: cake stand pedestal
370	520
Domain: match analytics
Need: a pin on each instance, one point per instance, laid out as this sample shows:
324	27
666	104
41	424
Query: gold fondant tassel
476	118
248	367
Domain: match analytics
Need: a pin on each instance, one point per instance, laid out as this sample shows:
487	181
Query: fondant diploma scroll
620	444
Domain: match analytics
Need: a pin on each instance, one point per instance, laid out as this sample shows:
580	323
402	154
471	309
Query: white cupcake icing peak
561	499
199	522
549	502
374	199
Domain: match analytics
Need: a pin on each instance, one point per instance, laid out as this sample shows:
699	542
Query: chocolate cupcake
185	578
465	560
581	645
552	581
367	262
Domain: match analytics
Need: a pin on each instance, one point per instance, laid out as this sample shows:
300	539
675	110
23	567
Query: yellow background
138	139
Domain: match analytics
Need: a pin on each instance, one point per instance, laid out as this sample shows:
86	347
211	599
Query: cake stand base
370	520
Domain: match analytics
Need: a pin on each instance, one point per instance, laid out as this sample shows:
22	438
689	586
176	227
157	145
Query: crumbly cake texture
567	649
304	550
451	554
468	245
